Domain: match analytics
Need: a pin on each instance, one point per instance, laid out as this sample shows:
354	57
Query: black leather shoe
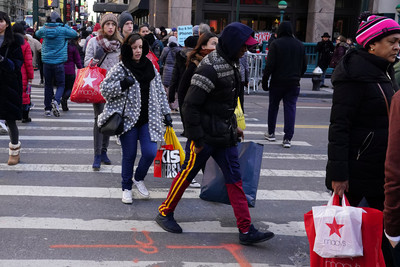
254	236
168	223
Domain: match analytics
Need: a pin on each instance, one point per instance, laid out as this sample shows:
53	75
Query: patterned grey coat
158	105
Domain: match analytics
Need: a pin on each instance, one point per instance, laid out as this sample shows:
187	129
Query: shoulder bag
115	123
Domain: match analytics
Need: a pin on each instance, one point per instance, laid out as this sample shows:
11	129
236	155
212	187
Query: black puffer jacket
364	85
11	80
208	109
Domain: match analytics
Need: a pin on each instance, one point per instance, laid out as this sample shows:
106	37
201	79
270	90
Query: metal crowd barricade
256	66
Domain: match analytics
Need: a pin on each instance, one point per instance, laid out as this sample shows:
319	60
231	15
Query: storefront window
272	3
217	1
252	2
217	21
260	22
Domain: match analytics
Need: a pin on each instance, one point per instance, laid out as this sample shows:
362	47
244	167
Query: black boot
64	104
25	116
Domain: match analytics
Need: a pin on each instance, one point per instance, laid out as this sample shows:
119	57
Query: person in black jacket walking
325	50
286	63
210	125
358	132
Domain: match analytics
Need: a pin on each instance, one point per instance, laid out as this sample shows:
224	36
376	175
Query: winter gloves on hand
127	82
167	120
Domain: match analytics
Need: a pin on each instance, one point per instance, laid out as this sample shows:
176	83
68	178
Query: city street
56	211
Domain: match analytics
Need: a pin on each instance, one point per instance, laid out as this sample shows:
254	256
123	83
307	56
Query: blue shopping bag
213	184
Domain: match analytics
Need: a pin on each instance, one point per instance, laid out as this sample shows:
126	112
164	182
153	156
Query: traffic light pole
35	7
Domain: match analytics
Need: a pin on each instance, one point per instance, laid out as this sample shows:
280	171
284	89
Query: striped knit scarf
107	45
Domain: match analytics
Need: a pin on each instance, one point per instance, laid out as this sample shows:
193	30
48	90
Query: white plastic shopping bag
338	230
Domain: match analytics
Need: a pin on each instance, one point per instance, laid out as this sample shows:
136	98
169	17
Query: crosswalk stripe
157	193
287	229
87	263
80	151
117	169
48	138
295	156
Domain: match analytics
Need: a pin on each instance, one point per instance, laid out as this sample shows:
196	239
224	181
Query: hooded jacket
286	60
55	42
11	80
111	90
209	105
167	60
358	132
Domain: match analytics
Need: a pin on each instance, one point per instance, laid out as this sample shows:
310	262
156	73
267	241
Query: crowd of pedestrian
150	75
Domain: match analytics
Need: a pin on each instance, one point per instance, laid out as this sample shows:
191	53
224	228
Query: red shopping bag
86	87
153	58
371	231
167	162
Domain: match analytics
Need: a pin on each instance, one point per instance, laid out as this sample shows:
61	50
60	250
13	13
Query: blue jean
289	96
53	72
148	149
323	77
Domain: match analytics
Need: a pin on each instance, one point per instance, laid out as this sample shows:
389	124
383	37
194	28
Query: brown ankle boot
13	153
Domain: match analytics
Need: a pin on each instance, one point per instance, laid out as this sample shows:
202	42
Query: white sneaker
3	128
141	188
55	108
127	196
47	113
286	143
270	137
194	184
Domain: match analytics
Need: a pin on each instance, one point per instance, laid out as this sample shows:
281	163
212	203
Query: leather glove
126	83
167	120
99	53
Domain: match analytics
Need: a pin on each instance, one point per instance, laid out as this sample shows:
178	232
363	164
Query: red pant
227	160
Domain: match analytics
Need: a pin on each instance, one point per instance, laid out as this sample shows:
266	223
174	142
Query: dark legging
13	132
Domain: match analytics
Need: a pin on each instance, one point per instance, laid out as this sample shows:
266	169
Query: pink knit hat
375	28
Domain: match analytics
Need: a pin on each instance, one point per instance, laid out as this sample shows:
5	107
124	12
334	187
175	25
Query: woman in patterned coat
135	84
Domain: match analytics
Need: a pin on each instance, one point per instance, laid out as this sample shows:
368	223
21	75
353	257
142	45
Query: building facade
311	18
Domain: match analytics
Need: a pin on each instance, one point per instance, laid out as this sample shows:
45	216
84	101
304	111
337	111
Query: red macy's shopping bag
167	162
371	231
86	87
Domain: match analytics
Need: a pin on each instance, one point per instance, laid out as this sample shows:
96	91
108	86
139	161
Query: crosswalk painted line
211	227
48	138
117	169
295	156
81	151
156	193
86	263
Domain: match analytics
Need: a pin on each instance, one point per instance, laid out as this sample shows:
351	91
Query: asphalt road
55	211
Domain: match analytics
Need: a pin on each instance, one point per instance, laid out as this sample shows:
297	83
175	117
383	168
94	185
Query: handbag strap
102	59
384	96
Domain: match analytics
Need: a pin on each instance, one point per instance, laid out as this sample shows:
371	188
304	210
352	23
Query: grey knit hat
108	17
124	18
195	30
54	16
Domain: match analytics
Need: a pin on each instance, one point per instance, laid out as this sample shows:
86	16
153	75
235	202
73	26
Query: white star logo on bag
335	227
89	81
